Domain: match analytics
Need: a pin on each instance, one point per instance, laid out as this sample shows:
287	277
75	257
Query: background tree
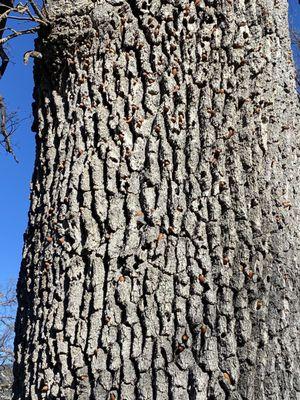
7	317
161	259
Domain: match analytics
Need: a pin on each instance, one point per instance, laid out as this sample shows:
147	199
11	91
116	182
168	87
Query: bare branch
7	309
31	19
5	14
36	9
20	12
18	33
5	61
3	130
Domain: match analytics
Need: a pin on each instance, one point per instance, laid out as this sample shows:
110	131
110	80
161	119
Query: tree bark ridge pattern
162	250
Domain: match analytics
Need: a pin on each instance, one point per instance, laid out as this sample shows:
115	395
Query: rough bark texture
6	379
161	259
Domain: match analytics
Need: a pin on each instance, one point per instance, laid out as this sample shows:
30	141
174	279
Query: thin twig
18	33
5	14
36	9
33	19
3	130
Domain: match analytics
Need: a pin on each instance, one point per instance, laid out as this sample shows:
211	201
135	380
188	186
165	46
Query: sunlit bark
161	259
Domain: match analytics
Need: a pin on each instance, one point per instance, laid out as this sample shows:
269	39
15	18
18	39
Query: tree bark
161	259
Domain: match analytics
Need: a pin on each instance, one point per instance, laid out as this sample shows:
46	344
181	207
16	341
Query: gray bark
6	379
161	259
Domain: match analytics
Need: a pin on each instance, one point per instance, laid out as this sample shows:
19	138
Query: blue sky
294	17
16	87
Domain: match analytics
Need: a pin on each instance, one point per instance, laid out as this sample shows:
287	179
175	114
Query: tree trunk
161	259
